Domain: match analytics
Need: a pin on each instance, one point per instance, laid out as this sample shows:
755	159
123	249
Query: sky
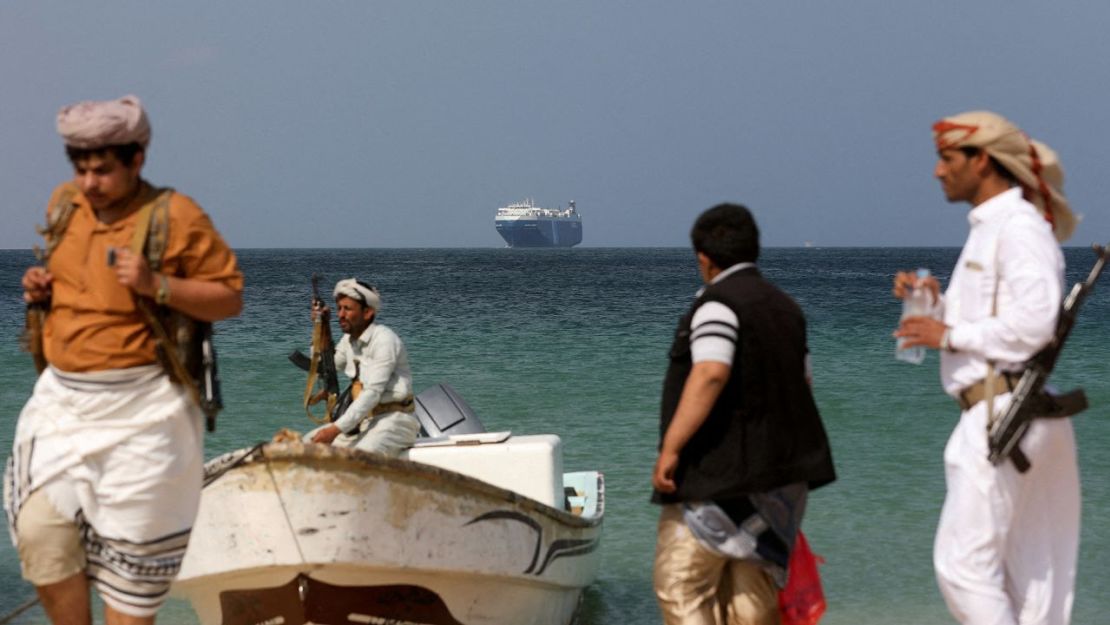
407	123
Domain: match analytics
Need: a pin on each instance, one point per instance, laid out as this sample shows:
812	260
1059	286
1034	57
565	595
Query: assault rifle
323	381
1029	400
208	380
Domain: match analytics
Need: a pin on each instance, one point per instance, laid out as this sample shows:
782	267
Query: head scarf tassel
1042	186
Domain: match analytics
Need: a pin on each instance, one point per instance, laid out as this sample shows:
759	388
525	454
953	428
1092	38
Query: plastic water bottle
916	303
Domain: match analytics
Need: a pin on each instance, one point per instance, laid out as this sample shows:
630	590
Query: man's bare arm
703	386
200	299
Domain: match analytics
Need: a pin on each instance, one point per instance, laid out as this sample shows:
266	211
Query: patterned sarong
121	453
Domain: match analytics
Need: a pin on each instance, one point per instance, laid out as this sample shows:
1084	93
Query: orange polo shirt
93	323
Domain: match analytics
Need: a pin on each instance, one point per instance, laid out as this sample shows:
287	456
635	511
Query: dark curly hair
124	153
727	234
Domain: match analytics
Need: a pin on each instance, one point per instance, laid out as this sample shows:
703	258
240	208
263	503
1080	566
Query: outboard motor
441	412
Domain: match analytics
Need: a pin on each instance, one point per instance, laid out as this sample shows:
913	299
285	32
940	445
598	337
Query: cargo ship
526	225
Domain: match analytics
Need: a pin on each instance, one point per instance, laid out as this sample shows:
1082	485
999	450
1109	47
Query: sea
574	342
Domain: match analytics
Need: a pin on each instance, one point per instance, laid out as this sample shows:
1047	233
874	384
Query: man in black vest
741	440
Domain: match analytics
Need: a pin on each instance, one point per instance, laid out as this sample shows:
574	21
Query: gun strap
152	223
992	372
991	380
356	384
57	221
311	397
313	373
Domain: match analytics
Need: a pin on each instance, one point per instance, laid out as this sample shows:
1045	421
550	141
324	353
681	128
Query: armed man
105	475
379	417
1007	541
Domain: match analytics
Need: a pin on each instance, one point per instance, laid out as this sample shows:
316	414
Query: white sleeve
714	330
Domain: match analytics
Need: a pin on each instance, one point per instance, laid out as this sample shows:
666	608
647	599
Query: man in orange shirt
105	474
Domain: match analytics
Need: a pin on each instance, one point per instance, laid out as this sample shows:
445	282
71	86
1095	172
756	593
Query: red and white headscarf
1034	164
90	125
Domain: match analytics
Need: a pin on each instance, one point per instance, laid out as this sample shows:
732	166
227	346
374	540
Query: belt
405	405
1004	382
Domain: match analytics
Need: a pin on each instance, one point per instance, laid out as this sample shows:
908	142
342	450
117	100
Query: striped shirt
715	329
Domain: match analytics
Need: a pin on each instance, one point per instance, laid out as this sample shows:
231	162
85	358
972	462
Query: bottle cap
922	273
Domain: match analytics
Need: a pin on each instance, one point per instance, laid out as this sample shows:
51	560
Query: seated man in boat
380	416
742	442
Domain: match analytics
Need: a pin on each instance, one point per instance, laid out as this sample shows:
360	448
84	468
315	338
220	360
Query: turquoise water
573	342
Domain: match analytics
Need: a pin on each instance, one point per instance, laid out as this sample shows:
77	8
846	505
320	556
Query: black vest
764	431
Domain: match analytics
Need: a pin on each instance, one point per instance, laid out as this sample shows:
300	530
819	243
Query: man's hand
320	311
133	272
36	285
326	434
921	331
662	477
906	280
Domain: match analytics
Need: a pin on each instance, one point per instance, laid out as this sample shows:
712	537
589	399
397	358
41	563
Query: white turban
359	291
91	125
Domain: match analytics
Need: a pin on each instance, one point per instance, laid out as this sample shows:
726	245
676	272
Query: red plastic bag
802	602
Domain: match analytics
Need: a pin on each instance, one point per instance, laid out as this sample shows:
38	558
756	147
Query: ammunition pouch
407	405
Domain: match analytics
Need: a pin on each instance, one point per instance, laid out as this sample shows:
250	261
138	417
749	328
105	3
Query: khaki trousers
695	586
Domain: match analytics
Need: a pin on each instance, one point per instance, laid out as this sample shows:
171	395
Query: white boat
471	529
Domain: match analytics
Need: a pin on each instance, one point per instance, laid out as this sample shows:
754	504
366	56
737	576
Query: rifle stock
1029	400
31	339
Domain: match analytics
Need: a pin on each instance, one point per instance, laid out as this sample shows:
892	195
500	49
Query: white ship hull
316	534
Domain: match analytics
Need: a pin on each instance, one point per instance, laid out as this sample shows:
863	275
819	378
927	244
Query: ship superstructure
524	224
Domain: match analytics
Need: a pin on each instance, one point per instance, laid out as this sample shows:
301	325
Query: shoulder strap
992	372
158	230
57	220
152	228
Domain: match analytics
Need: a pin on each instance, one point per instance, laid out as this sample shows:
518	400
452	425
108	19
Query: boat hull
540	232
308	529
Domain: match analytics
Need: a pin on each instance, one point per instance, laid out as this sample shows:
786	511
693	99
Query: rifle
1029	399
323	381
31	339
208	380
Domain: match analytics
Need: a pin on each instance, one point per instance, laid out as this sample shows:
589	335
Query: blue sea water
574	342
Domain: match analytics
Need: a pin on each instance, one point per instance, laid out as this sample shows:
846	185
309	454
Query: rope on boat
224	467
284	511
26	605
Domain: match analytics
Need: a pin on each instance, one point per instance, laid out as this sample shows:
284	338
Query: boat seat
441	412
